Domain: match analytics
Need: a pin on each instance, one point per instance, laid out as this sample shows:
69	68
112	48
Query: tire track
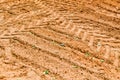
61	39
32	62
29	39
23	15
102	11
89	14
101	37
88	39
58	31
45	57
76	64
68	42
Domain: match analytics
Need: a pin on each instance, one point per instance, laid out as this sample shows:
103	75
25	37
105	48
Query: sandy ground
59	40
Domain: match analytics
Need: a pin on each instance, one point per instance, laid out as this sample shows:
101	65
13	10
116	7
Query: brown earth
59	40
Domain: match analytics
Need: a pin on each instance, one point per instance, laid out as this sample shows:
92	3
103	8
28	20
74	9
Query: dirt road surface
59	40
